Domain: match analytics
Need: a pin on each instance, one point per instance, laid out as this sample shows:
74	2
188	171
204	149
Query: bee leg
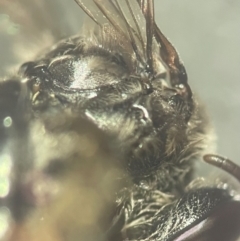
167	51
178	74
223	163
171	58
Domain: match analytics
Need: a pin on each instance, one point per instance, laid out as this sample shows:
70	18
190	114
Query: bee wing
126	18
28	26
147	7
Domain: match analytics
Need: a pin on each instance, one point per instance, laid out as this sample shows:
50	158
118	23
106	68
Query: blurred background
207	36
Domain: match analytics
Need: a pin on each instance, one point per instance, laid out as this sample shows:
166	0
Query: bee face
121	77
110	130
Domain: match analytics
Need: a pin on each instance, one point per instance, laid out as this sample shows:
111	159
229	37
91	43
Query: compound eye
223	224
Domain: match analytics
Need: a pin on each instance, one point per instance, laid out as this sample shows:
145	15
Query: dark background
205	33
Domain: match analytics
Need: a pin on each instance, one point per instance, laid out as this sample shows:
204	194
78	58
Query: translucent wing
127	20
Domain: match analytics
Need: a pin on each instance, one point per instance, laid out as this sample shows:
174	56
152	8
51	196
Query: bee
99	137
